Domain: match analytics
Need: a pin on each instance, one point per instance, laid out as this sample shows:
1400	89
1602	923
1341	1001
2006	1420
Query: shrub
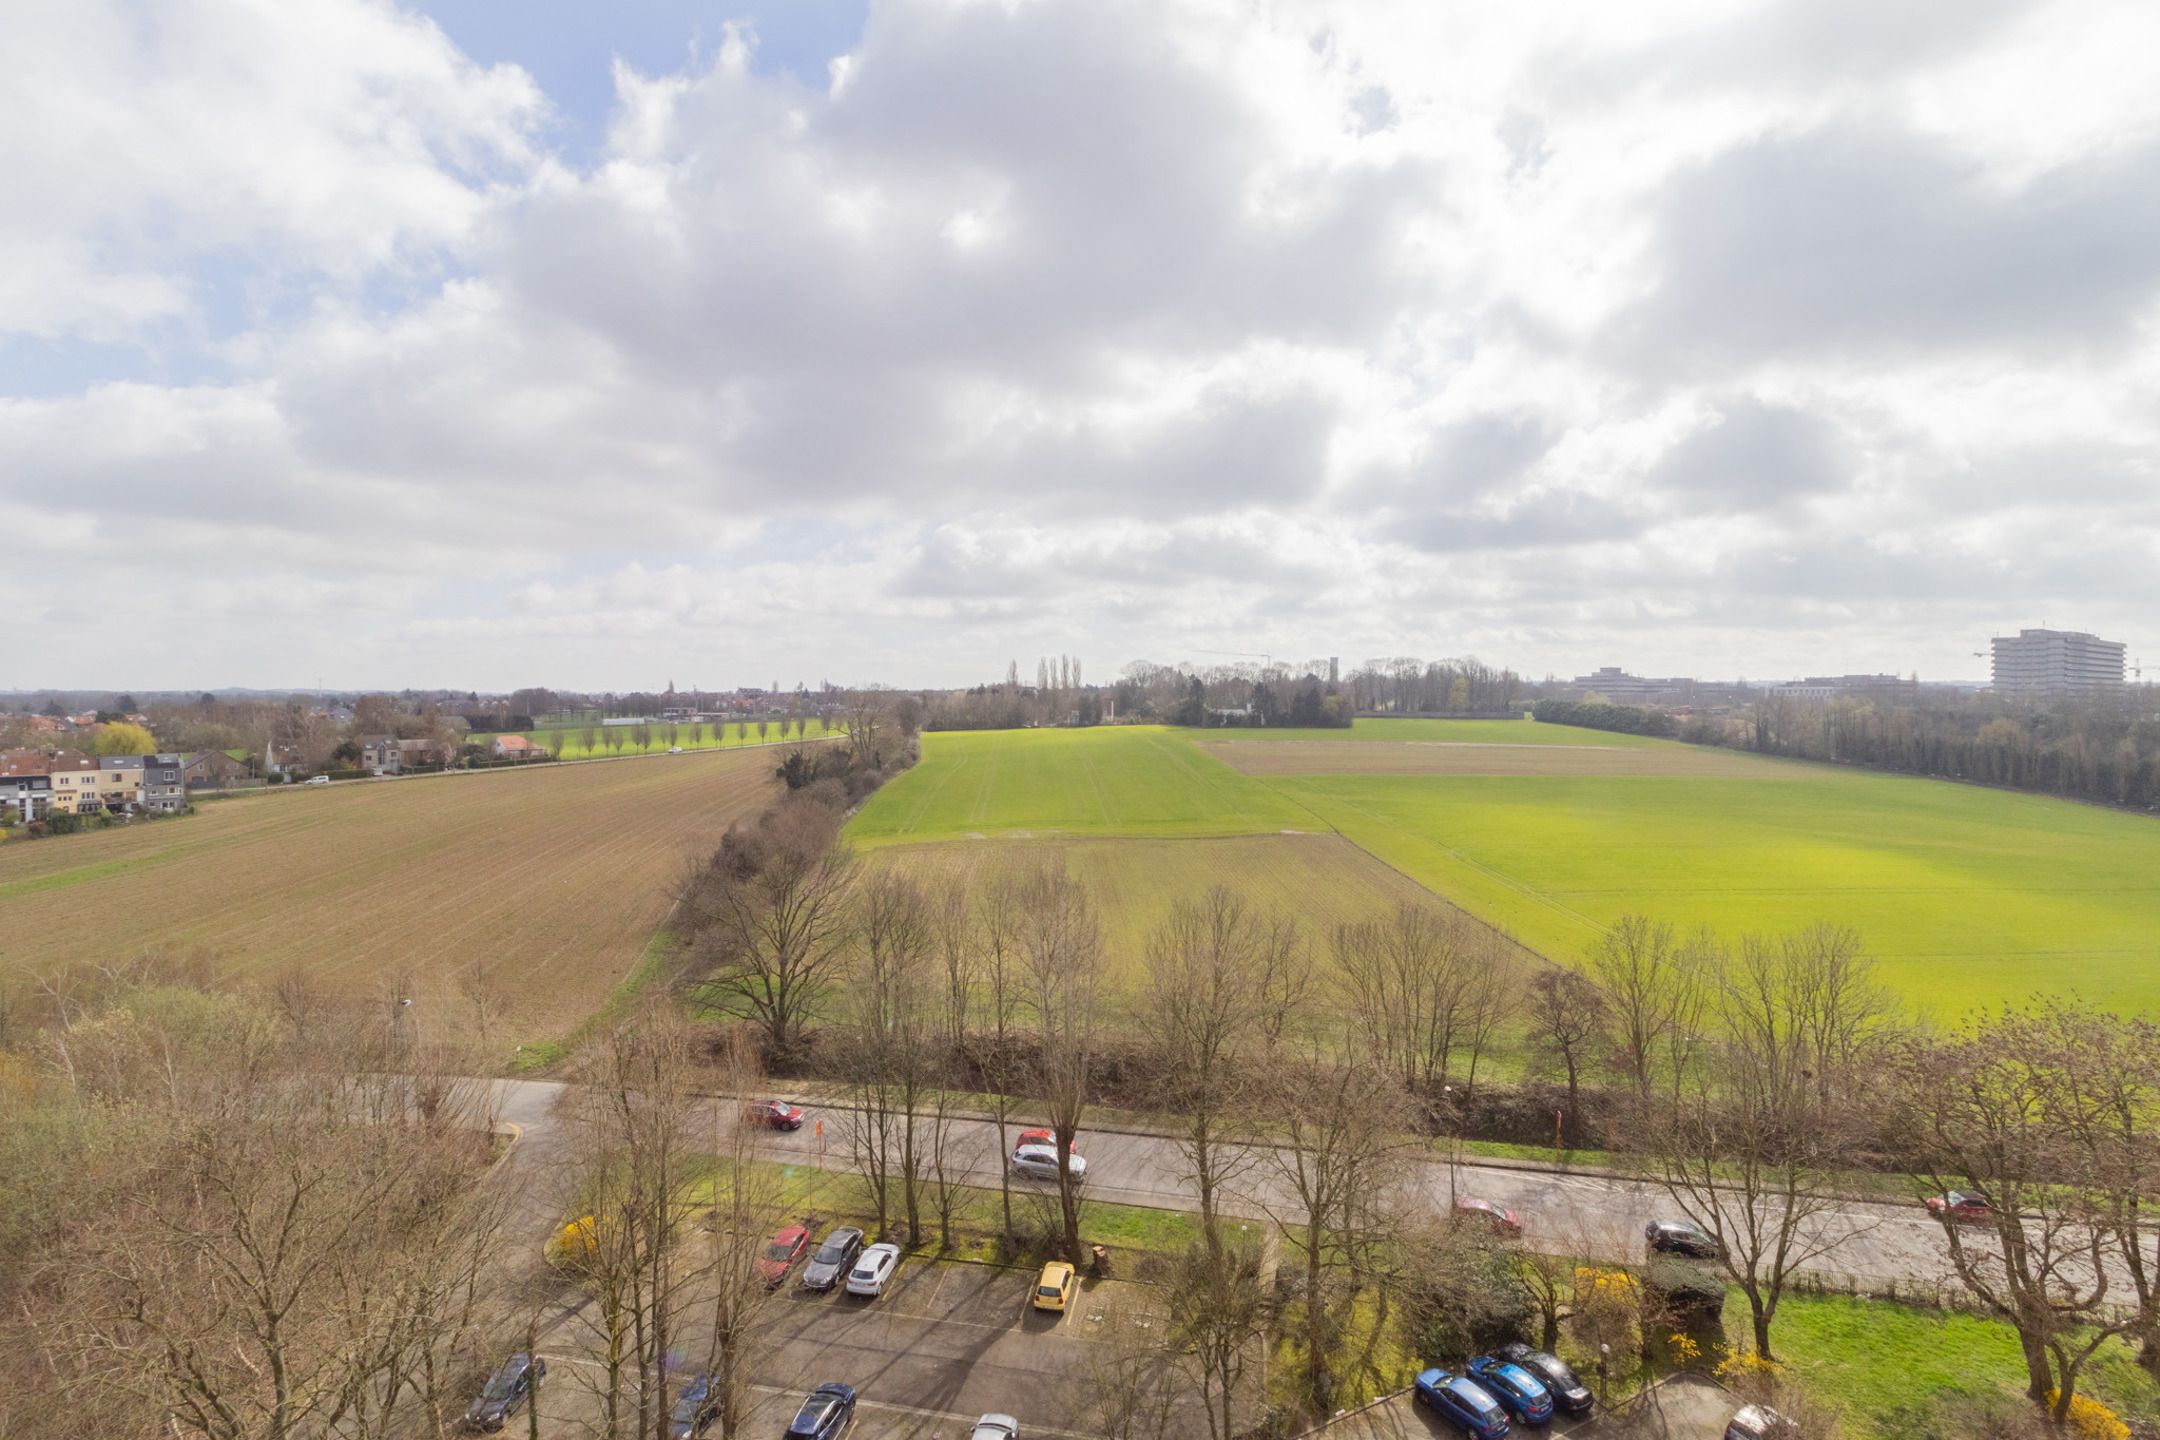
2090	1419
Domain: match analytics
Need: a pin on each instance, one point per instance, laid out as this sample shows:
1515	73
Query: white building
2056	663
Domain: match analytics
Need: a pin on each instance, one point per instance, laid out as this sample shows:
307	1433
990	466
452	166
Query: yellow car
1054	1288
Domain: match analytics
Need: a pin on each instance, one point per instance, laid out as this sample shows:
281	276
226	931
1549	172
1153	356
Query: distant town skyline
889	339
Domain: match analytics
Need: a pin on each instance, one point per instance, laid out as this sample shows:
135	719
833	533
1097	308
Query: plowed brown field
554	877
1440	757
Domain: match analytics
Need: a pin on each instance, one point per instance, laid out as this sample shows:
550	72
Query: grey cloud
1852	241
1755	456
1537	520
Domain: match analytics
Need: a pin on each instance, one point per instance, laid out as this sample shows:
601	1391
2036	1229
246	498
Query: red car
777	1114
780	1256
1966	1206
1502	1220
1044	1137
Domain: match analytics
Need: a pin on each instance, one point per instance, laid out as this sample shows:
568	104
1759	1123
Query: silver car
996	1427
1040	1162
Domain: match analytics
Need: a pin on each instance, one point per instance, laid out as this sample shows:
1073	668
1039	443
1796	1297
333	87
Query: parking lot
947	1343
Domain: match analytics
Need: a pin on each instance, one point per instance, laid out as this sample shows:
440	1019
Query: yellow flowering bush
2091	1419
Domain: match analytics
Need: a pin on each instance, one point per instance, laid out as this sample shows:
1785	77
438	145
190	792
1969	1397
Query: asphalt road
1576	1214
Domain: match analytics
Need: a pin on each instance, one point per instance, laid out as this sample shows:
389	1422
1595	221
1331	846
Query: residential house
516	747
74	784
211	770
120	782
25	785
164	784
413	754
380	755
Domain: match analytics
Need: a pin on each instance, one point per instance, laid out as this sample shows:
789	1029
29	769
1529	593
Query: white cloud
1759	336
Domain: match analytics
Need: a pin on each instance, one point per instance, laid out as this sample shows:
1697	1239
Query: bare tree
1060	946
1753	1137
745	1208
1422	985
892	997
639	1129
1003	986
1221	1313
2012	1109
1652	995
1566	1021
1217	974
770	919
1340	1123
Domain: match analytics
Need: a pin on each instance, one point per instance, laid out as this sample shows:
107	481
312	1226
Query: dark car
1678	1237
509	1387
1463	1403
825	1413
1570	1395
695	1408
1519	1391
781	1254
778	1114
833	1259
1968	1207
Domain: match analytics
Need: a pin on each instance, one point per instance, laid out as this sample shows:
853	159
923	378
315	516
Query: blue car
824	1414
1515	1387
695	1409
1462	1402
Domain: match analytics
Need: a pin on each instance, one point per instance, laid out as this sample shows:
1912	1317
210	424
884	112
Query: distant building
26	785
74	784
120	782
516	747
1622	688
164	784
380	755
1821	689
212	770
2056	663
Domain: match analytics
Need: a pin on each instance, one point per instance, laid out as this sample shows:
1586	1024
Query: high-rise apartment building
2056	663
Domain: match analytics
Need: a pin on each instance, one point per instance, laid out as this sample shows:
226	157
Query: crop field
1112	780
1446	732
552	877
1320	880
1464	757
1966	896
568	742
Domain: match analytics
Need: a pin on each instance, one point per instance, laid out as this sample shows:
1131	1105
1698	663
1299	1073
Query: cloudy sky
499	342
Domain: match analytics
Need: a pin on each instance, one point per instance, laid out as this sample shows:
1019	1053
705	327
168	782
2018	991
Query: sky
488	343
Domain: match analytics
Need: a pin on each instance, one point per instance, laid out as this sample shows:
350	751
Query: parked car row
1514	1383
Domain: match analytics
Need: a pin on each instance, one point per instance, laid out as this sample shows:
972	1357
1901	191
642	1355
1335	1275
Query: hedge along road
1583	1214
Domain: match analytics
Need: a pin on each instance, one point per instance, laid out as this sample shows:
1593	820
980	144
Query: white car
318	779
872	1269
996	1427
1039	1162
674	749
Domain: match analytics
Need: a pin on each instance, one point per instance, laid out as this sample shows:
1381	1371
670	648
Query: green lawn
1966	896
1896	1370
568	742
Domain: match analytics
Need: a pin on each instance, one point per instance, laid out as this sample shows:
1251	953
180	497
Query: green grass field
1111	780
1450	732
1896	1370
568	742
1966	896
